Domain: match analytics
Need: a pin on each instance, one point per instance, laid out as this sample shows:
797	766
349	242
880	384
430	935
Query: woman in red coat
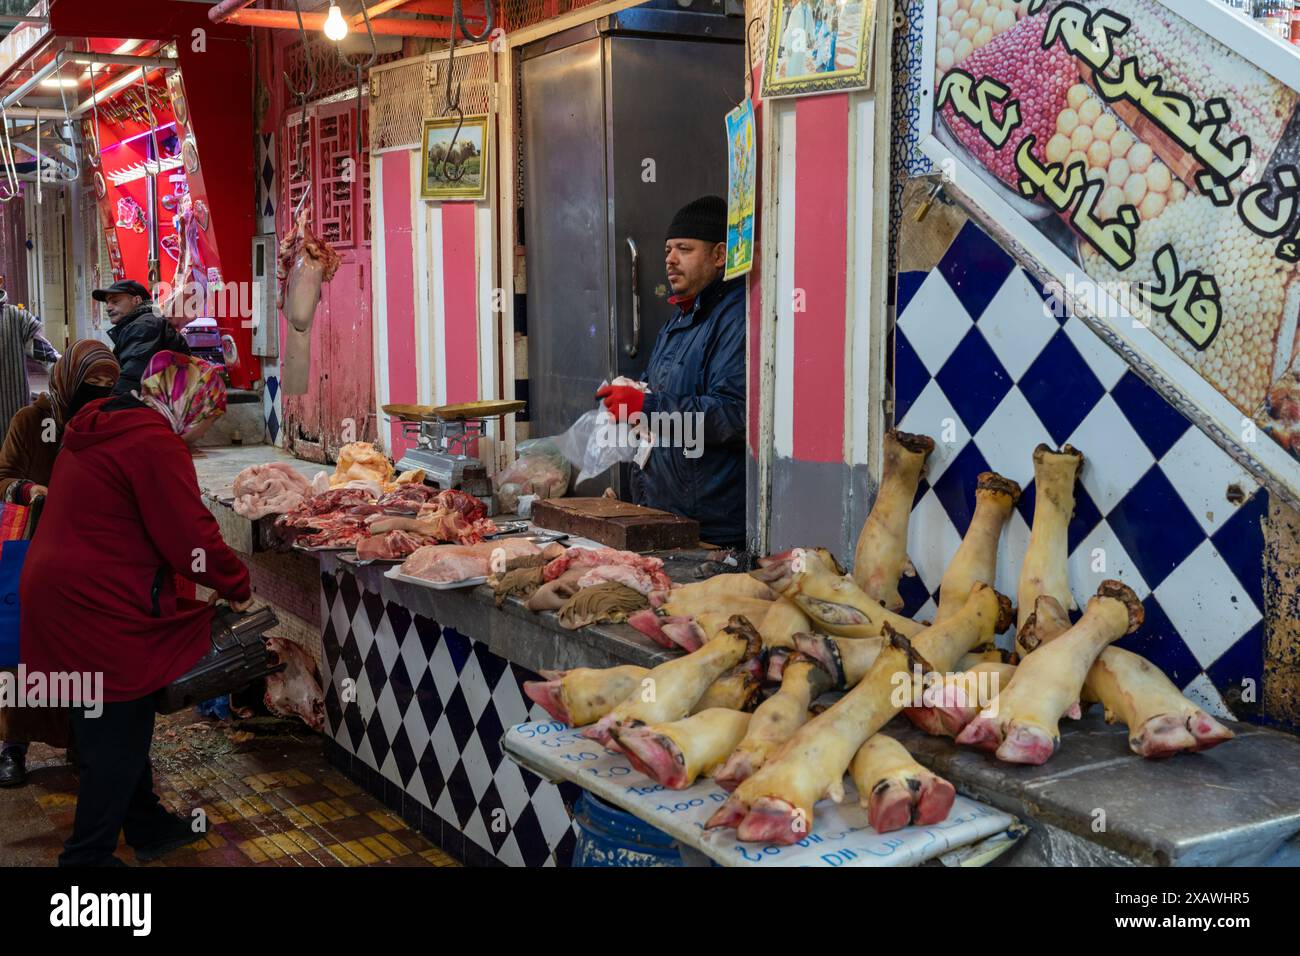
98	595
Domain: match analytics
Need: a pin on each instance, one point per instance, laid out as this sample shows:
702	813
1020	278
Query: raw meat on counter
271	489
1045	570
895	789
777	622
583	695
977	556
603	603
593	557
1021	724
450	563
391	545
625	574
776	720
361	461
1160	720
676	753
881	555
678	684
688	716
407	498
354	515
775	805
811	579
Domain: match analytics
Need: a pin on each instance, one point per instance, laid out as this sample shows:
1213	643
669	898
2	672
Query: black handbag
238	657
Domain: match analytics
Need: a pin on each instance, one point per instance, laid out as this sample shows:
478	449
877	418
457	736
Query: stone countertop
534	641
1097	802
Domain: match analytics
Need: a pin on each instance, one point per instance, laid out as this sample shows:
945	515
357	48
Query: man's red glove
622	401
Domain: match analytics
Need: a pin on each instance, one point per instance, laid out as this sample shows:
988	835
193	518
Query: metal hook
458	20
452	101
301	95
71	127
7	158
749	57
358	68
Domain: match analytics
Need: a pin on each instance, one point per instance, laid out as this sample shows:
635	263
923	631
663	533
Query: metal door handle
634	346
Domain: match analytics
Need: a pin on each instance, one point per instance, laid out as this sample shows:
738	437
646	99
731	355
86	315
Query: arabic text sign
1153	161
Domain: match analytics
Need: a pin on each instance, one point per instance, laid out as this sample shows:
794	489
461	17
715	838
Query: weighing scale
443	437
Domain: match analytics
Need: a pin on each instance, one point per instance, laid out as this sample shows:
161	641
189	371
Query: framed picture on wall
818	46
455	158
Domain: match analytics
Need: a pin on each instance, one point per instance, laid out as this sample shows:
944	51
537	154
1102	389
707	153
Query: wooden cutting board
617	524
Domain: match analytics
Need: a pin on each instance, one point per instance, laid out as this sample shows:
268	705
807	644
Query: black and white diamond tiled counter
423	728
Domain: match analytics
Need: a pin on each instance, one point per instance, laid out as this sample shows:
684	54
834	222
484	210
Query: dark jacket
25	457
138	338
98	588
698	366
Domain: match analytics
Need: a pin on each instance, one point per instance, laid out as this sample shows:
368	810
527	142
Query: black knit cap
704	218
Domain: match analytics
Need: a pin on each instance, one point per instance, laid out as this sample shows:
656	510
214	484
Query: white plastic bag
596	442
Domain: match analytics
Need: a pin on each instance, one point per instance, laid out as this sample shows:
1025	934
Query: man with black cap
138	332
697	368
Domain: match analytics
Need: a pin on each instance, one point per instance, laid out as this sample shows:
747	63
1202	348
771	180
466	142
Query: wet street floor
266	791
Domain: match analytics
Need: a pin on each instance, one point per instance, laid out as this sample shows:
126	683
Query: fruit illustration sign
1143	157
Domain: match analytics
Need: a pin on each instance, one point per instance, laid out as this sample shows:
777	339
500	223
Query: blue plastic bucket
609	837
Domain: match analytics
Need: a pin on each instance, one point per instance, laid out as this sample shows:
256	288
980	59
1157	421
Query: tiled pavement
269	800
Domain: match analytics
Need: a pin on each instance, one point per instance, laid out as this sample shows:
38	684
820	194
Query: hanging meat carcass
305	263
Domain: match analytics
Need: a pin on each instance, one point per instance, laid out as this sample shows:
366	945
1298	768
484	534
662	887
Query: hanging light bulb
336	28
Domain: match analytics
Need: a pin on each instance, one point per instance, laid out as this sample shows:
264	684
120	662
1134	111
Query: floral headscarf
74	366
184	390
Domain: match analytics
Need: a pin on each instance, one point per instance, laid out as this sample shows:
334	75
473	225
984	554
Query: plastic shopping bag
540	470
12	555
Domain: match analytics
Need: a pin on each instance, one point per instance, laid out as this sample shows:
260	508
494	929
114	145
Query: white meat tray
395	574
841	836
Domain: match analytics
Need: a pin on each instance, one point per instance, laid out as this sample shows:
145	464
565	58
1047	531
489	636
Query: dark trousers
115	793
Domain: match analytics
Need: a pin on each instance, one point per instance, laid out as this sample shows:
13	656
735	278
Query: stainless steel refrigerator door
666	100
565	232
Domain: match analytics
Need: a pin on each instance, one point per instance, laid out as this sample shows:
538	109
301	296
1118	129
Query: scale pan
488	409
409	412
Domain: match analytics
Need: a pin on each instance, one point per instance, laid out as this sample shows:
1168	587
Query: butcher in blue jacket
697	368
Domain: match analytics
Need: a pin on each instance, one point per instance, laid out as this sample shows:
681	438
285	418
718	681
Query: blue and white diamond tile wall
988	364
430	708
272	406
